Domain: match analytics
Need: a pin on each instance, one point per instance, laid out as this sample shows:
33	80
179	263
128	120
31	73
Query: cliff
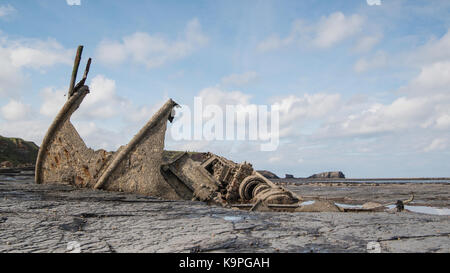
16	151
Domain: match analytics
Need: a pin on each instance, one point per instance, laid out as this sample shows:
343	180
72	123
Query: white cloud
73	2
373	2
337	27
424	105
240	79
53	100
403	113
274	159
328	31
15	110
100	138
6	10
31	53
435	76
431	59
378	60
416	121
366	43
295	110
216	96
435	50
443	121
152	50
437	144
300	33
18	55
270	43
308	106
102	102
11	77
102	91
32	130
142	113
112	52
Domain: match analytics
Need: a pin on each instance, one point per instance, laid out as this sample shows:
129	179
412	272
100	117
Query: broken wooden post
83	80
76	64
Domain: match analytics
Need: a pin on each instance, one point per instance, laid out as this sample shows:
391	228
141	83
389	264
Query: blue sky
364	86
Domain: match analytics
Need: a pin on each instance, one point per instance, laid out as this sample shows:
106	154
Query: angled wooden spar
76	95
76	64
86	71
162	115
64	114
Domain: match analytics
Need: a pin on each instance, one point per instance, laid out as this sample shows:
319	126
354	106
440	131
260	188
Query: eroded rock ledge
45	218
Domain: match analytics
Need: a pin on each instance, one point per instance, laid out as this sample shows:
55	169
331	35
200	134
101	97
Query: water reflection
417	209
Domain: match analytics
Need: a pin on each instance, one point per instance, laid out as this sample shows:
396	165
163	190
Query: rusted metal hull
138	167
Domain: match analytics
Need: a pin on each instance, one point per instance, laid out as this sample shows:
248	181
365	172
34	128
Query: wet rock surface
50	218
426	194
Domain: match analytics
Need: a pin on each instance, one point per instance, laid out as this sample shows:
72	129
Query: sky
363	86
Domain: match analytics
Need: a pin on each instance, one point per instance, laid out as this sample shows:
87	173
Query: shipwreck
143	166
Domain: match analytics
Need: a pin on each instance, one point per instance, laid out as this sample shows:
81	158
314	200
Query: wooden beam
83	80
76	64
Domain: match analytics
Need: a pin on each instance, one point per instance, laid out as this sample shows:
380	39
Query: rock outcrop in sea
268	174
337	174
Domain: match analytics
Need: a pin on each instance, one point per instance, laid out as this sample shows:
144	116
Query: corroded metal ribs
140	166
219	180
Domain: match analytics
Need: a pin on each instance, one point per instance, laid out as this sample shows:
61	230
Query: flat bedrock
49	218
